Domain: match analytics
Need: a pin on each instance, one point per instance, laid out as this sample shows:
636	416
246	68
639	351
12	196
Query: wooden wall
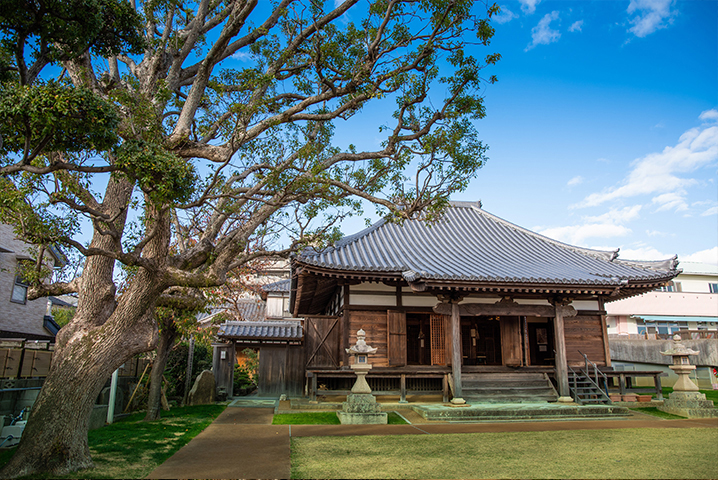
375	326
584	333
281	370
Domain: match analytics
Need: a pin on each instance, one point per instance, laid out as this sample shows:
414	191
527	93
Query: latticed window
438	340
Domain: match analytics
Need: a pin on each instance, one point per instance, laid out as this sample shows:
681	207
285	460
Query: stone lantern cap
361	348
679	350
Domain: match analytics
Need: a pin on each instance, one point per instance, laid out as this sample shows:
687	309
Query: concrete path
257	449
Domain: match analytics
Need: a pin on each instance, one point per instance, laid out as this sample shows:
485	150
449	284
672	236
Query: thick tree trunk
55	438
168	335
105	333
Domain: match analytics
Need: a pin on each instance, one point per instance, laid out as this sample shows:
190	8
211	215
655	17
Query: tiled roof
269	330
249	309
469	244
280	286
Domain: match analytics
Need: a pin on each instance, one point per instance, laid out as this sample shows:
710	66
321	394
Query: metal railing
584	374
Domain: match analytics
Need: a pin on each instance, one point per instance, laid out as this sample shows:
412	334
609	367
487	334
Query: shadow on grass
131	448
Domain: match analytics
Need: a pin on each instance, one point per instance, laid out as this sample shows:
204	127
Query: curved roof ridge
670	264
607	255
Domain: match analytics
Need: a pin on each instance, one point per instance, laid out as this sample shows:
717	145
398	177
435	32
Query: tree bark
168	335
55	438
105	333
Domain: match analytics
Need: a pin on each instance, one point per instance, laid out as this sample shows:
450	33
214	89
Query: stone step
503	376
509	398
513	383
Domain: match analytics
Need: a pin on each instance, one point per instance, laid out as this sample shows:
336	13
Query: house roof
286	330
470	244
280	286
469	247
248	309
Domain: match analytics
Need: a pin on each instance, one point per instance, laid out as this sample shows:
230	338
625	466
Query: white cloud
615	216
659	173
642	253
577	180
709	115
576	26
578	234
675	201
656	233
505	16
710	211
651	15
242	56
542	34
704	256
529	6
608	225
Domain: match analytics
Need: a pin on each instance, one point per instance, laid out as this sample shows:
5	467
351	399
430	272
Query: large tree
211	143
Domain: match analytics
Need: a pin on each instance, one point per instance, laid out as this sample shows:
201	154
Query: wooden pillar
561	362
456	348
345	327
402	395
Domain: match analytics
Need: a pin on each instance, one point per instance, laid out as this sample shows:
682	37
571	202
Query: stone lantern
685	400
361	407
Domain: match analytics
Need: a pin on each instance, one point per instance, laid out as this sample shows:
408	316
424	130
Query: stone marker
361	407
202	392
685	400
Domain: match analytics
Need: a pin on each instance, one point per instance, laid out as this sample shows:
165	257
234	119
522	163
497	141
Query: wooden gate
322	341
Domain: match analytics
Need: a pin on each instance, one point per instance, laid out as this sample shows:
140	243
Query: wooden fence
31	359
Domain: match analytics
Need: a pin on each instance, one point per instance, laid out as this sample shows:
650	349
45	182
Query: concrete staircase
518	387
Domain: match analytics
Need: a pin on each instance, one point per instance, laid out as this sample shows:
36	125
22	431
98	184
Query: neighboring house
277	296
641	327
20	317
688	303
468	300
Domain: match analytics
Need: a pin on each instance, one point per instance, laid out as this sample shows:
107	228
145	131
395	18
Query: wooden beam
503	308
456	348
560	344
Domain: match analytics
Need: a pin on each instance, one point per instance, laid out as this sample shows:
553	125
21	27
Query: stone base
362	418
689	404
361	403
361	409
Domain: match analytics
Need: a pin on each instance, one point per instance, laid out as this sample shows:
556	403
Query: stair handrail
574	389
596	373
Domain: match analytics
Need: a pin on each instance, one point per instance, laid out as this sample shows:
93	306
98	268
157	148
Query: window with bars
713	287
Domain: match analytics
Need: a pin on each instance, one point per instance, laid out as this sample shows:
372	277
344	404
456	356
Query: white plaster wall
667	303
380	300
371	287
418	300
585	305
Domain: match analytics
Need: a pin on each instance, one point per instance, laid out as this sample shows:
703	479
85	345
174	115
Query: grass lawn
624	453
131	448
710	394
323	418
656	413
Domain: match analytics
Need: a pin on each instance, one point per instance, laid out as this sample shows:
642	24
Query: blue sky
603	126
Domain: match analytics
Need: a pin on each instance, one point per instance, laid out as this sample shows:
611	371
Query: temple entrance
418	339
481	340
541	345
